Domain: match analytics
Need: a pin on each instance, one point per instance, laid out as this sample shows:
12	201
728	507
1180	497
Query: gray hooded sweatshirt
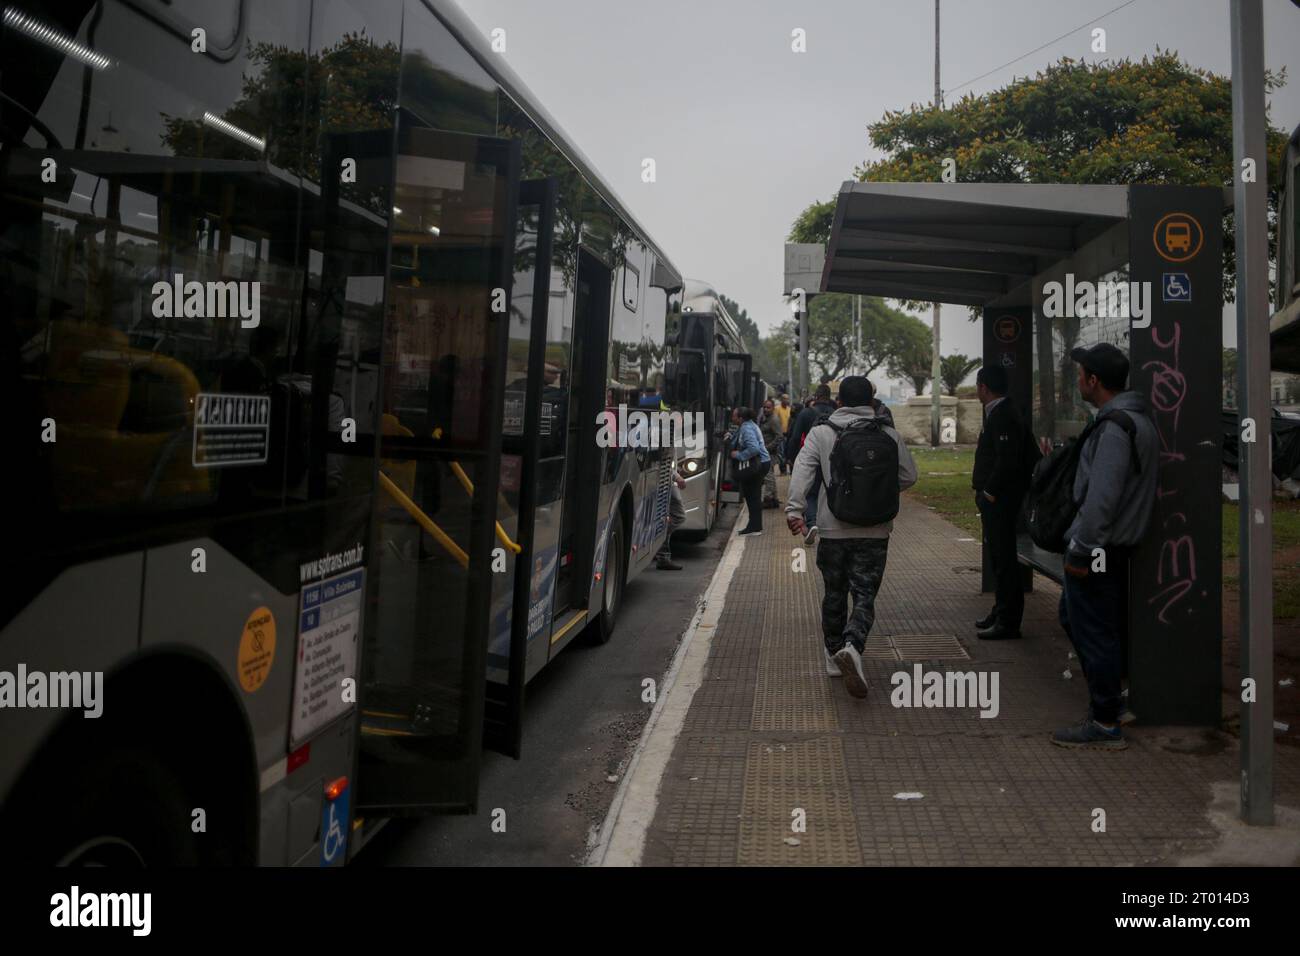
1116	501
816	453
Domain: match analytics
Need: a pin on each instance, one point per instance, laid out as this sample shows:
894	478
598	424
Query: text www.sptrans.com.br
1202	923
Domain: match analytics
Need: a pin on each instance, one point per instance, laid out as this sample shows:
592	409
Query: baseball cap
1105	361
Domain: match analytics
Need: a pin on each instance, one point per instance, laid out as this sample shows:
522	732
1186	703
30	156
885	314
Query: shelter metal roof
963	243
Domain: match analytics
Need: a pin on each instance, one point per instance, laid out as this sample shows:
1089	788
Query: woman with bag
752	465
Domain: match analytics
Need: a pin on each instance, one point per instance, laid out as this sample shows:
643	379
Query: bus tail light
335	789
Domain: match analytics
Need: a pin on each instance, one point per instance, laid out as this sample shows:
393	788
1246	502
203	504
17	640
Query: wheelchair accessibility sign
1176	287
333	830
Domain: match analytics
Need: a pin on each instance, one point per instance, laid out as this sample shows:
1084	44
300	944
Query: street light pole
935	400
1253	402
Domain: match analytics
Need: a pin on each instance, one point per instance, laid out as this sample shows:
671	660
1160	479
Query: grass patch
1286	538
943	483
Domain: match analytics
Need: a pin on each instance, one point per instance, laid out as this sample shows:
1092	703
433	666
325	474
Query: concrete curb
623	834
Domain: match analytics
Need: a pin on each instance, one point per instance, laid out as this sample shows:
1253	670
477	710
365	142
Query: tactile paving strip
791	692
807	775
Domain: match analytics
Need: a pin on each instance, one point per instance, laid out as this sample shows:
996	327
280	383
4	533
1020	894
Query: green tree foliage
814	223
913	359
953	370
1159	120
887	335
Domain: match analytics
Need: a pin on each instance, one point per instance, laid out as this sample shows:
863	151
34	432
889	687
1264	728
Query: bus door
443	359
584	458
731	388
520	601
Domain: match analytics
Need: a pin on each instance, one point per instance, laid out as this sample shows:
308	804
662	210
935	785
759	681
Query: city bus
311	314
713	376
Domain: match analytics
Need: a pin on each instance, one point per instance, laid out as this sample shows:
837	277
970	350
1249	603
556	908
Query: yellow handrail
469	490
423	520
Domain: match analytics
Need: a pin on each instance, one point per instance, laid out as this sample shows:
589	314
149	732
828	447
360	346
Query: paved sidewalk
768	733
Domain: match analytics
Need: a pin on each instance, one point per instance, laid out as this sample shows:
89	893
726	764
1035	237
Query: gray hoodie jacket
816	453
1116	501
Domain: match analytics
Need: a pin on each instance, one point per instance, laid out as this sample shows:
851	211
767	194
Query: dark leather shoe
987	621
997	632
667	564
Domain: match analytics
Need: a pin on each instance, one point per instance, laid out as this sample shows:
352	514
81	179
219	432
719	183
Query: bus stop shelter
1047	268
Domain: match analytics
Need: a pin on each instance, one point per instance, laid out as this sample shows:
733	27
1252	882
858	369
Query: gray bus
713	376
311	312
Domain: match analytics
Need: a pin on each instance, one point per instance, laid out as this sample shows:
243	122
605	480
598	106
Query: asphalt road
582	718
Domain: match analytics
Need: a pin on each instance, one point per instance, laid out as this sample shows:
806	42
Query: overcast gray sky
746	133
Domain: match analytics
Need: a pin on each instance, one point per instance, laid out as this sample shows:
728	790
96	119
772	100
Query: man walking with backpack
1004	458
863	466
1115	487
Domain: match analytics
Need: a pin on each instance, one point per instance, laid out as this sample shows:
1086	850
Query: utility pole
803	342
935	401
1256	512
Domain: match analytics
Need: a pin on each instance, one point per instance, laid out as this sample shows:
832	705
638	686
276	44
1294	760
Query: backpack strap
1124	421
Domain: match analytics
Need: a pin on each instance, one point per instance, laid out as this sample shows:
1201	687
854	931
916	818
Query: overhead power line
1082	26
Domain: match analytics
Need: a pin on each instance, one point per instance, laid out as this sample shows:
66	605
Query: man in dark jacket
1000	480
821	406
1115	485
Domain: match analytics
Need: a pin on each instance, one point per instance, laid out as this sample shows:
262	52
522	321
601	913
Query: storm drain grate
915	647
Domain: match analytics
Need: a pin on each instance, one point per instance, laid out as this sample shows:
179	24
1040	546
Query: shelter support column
1175	609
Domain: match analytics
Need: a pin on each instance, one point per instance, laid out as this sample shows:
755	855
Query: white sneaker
832	669
810	536
850	664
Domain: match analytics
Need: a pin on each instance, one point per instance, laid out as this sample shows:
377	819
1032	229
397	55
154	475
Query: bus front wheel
126	809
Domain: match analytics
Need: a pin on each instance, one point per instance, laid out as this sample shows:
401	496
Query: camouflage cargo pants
850	566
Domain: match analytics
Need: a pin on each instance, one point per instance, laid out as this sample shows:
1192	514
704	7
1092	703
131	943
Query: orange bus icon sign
1178	237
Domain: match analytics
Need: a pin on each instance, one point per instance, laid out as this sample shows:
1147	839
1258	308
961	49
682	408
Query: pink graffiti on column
1176	565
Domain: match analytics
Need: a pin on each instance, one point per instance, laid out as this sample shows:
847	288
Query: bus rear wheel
611	592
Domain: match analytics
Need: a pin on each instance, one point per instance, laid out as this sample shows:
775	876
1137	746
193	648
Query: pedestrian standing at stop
1000	479
783	413
773	439
752	465
863	465
1115	485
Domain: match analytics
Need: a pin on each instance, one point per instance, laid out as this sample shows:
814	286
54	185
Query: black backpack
863	486
1050	506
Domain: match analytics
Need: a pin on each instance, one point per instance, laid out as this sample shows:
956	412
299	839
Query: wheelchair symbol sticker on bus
1178	237
333	829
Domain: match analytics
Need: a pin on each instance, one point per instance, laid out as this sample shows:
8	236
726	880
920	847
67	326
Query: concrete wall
913	418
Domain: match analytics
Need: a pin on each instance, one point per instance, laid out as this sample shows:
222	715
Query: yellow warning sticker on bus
256	649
